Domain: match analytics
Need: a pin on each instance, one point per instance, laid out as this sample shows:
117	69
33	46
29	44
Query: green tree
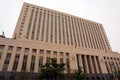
79	75
52	70
119	74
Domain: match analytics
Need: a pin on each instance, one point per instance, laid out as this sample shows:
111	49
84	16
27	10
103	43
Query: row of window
112	64
111	58
32	63
67	32
59	14
85	38
22	23
26	50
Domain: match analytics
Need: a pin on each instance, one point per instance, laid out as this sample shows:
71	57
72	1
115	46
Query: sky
106	12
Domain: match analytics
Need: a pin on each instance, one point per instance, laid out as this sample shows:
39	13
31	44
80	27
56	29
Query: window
24	62
63	30
34	25
104	57
48	52
55	29
16	62
24	16
68	65
22	26
20	33
43	26
10	48
61	54
2	47
18	49
39	23
7	60
0	55
67	54
118	59
71	36
32	63
51	33
27	6
59	24
66	24
26	50
21	29
40	63
34	50
55	54
29	25
47	27
22	23
41	51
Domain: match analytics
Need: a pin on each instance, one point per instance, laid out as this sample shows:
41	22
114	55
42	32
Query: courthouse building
43	33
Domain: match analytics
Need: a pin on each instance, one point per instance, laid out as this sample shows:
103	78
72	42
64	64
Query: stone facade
43	33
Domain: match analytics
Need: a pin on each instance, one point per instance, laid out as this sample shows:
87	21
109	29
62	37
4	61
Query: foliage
79	75
52	70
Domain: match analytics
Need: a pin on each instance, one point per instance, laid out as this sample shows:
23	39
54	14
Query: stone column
37	61
28	60
91	64
96	65
11	63
20	60
86	64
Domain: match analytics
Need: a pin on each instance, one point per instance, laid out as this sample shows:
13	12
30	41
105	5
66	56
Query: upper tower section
45	25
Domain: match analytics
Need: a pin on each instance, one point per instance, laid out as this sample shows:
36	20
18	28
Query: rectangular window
0	55
48	53
69	25
67	33
61	54
39	23
59	24
26	50
32	63
2	47
61	60
6	63
10	48
54	54
68	65
18	49
51	33
24	62
47	27
41	51
55	28
43	26
40	63
29	25
34	25
67	54
34	50
63	30
16	62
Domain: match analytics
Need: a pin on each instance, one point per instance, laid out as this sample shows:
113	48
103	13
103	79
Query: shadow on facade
34	76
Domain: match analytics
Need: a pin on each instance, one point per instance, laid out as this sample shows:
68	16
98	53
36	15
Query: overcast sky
106	12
